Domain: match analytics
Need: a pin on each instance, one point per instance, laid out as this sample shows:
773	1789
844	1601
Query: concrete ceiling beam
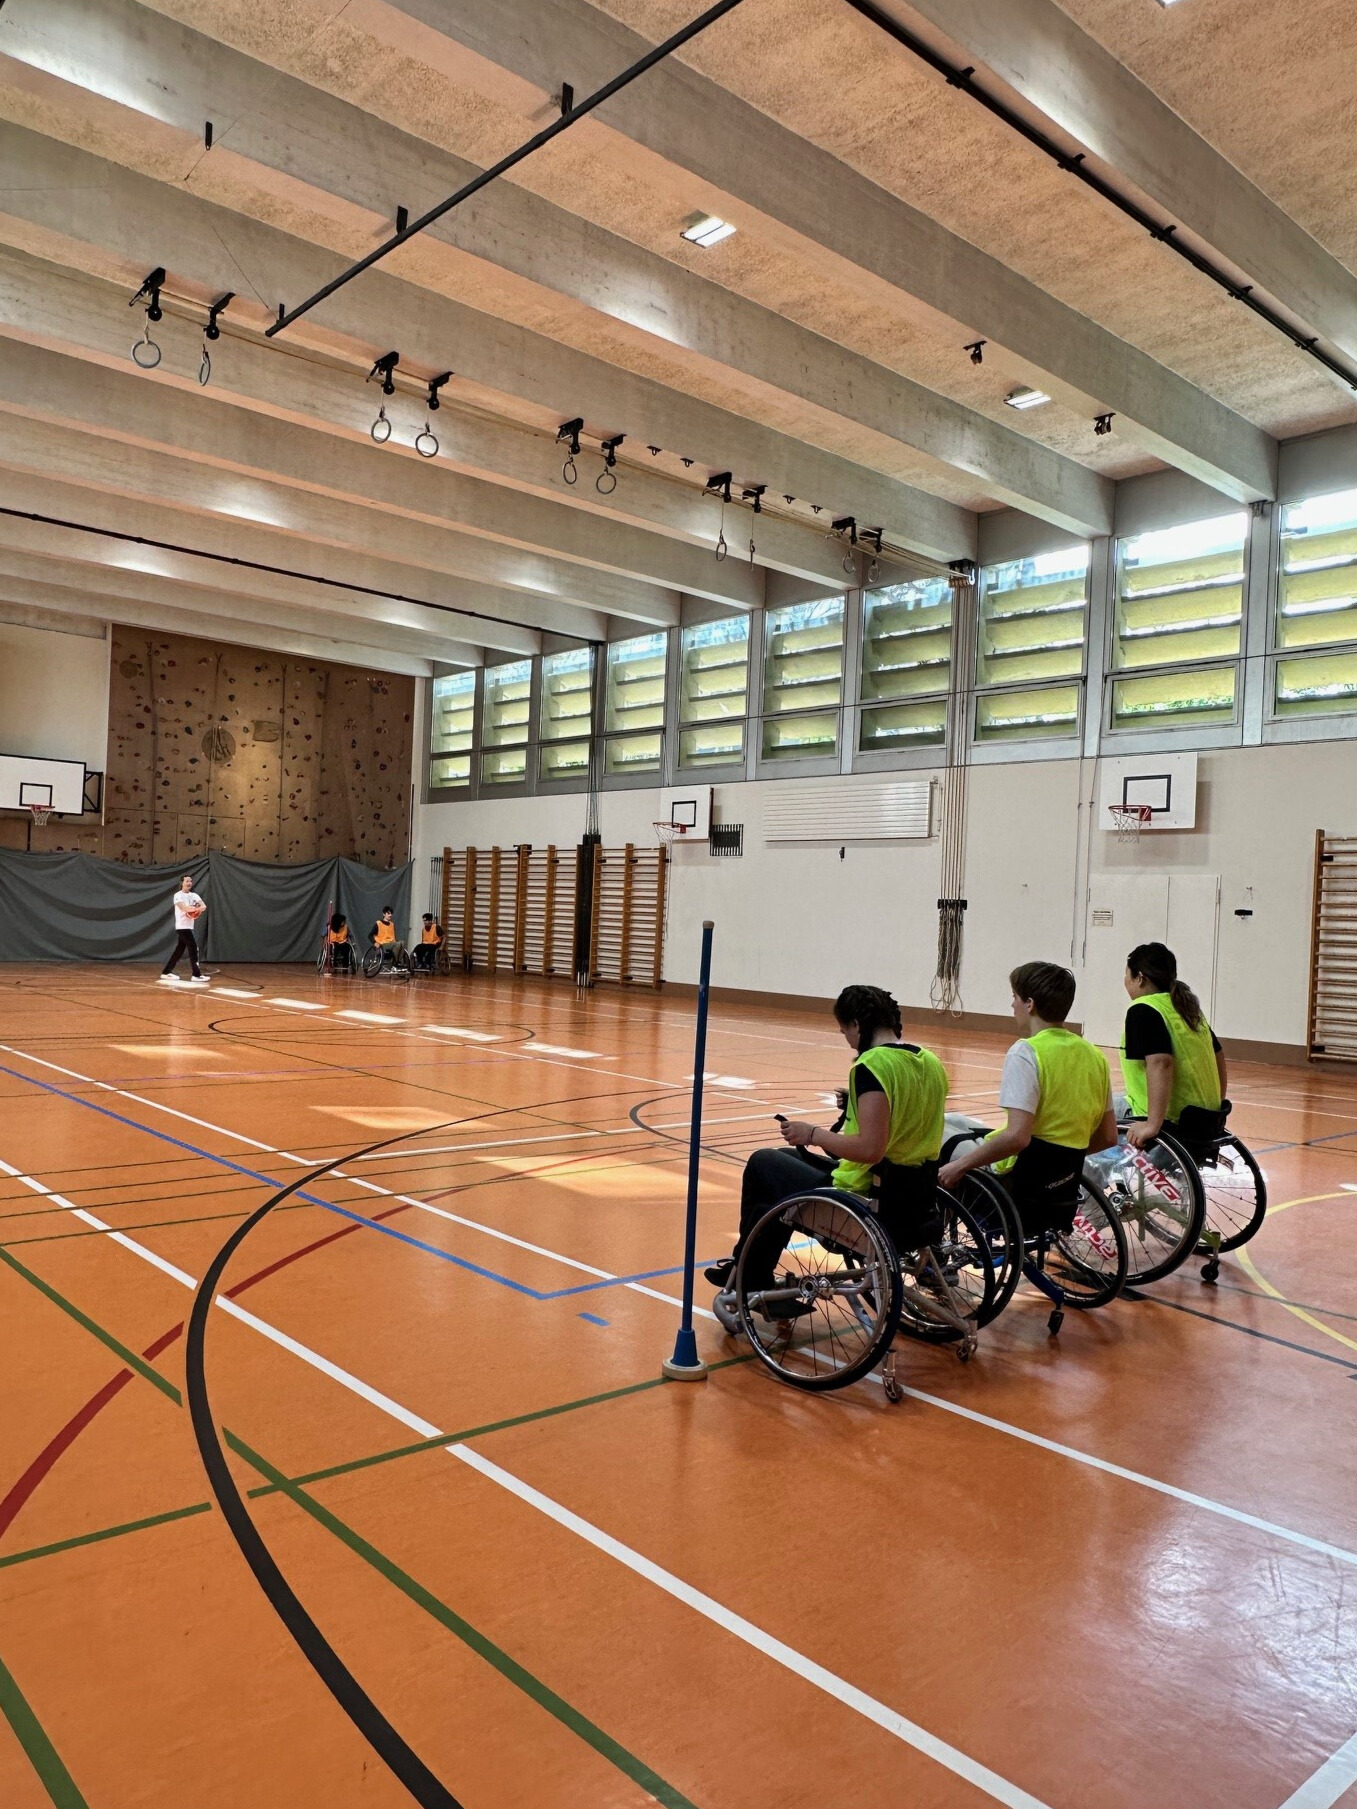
301	525
173	617
316	148
744	155
115	225
36	510
1041	53
385	489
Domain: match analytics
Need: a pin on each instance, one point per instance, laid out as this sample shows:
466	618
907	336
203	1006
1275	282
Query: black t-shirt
1148	1034
867	1082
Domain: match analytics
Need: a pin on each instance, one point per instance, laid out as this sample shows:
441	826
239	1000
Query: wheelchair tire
1235	1191
1157	1193
401	965
963	1254
1090	1262
372	962
835	1302
992	1209
322	961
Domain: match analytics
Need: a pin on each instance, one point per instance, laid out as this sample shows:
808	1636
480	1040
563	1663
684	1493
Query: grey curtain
75	907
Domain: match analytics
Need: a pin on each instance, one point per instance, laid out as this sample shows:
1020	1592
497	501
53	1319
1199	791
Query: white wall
54	693
796	919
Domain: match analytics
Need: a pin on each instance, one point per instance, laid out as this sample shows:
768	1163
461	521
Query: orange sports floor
1114	1570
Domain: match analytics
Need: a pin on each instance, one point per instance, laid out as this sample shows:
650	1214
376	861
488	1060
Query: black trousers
426	955
771	1175
185	942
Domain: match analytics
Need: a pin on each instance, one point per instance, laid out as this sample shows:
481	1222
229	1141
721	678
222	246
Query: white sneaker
200	980
170	980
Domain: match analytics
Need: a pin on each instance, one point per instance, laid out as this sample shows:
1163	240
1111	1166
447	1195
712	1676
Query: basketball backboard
687	807
1163	784
58	785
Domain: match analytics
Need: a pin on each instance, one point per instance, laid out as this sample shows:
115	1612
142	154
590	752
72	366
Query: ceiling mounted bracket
570	431
212	330
753	493
150	290
720	484
385	368
435	384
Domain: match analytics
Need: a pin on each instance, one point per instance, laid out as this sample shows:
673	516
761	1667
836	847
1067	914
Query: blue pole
685	1365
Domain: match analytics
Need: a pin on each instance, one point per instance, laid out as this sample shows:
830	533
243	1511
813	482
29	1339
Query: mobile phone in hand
781	1117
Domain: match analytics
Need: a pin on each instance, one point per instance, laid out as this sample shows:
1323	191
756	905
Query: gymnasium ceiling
884	220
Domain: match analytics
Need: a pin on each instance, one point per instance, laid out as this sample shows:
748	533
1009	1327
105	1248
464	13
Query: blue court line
312	1199
593	1318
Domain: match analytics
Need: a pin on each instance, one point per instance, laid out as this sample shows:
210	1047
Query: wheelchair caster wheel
1054	1323
965	1350
890	1382
1211	1270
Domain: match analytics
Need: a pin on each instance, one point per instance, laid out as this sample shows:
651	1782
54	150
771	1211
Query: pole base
684	1372
685	1365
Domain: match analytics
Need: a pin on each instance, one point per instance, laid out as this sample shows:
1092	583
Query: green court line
42	1755
130	1357
103	1532
205	1218
627	1762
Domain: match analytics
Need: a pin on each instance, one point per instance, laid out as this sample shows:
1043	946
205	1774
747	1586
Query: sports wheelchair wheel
1235	1192
372	962
833	1306
948	1283
1088	1263
1157	1194
989	1206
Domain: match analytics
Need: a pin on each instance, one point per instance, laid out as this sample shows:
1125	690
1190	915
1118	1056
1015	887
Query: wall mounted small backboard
57	784
687	807
1164	784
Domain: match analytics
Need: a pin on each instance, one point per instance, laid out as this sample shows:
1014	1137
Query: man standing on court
188	908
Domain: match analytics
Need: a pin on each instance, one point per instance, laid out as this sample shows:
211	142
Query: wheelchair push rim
952	1276
1157	1194
1089	1262
1235	1194
834	1304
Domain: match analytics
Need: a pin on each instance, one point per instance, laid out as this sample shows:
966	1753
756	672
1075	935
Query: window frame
1077	681
574	783
911	756
652	778
803	766
451	794
513	788
1322	725
727	772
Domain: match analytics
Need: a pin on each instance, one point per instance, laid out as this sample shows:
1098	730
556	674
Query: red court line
62	1441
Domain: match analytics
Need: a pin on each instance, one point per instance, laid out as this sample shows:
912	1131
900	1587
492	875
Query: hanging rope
945	992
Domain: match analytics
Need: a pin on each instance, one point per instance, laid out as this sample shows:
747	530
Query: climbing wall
267	756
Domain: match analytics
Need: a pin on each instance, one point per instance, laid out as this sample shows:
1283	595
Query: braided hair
871	1008
1159	965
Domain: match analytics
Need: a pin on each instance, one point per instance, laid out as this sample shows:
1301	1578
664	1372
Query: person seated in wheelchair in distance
885	1144
430	941
341	949
382	935
1172	1064
1057	1091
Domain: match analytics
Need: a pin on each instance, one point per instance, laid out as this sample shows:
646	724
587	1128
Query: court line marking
951	1758
934	1400
865	1705
1330	1782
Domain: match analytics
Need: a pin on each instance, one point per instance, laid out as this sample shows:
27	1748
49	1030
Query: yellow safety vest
1074	1081
915	1084
1196	1078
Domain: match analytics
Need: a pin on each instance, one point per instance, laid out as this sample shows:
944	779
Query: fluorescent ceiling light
707	229
1023	397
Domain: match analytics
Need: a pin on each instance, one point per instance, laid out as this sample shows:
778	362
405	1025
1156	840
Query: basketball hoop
1129	819
41	812
665	833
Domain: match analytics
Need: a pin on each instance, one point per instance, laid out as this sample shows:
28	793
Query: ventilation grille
850	810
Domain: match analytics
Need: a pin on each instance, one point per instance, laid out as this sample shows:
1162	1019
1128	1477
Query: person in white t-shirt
188	908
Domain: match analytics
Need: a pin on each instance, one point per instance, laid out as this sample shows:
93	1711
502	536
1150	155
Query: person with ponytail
1171	1060
887	1138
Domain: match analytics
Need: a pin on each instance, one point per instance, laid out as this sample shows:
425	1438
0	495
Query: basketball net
41	812
666	832
1129	820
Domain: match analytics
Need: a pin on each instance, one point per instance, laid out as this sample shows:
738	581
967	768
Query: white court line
299	1004
1330	1782
1320	1792
950	1757
584	1055
995	1786
474	1036
1018	1432
234	992
365	1017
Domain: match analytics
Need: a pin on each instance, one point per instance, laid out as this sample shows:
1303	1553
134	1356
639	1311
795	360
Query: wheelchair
1157	1194
1082	1267
384	956
1229	1183
841	1290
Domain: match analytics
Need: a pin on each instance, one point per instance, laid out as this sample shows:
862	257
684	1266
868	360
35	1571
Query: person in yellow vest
341	949
430	941
1172	1064
1056	1089
382	935
889	1136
